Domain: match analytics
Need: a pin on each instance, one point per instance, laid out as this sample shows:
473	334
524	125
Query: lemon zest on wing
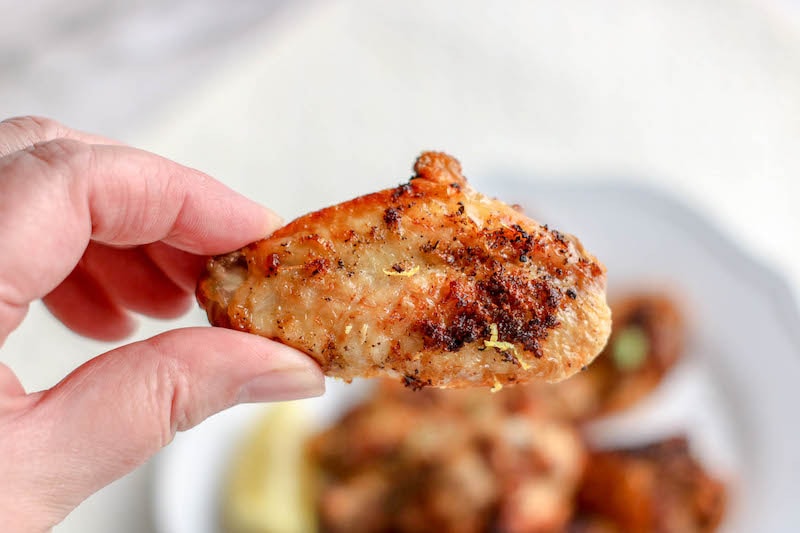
406	273
504	346
497	387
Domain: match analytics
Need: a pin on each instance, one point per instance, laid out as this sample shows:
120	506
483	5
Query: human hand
96	229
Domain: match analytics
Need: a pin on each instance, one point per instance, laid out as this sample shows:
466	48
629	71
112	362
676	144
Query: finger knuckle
58	151
171	390
35	128
64	156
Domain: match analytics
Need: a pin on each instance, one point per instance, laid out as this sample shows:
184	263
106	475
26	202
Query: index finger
57	195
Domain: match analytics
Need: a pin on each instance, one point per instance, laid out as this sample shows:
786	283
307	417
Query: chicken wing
658	487
430	282
646	342
460	461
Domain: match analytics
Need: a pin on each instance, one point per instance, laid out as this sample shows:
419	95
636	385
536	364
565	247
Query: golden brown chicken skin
430	282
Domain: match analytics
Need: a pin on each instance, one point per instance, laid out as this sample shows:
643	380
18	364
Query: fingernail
278	385
273	220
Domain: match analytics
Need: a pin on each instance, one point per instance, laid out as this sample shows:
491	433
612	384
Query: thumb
117	410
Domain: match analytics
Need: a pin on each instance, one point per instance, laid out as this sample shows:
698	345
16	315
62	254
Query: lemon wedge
268	489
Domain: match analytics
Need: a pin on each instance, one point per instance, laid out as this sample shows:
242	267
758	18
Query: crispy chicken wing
463	461
431	282
646	342
658	487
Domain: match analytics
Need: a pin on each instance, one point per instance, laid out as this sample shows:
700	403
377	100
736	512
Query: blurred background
302	104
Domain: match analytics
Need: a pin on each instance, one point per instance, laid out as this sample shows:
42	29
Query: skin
96	230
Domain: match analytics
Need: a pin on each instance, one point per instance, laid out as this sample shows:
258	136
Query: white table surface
304	106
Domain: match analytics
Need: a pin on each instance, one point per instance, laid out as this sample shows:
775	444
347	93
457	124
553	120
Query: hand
96	229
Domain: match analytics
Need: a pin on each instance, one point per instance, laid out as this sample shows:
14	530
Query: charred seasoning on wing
524	311
271	265
392	217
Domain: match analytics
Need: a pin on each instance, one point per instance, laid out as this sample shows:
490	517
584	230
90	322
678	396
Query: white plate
735	394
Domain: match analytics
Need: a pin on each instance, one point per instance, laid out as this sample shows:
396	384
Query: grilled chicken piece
659	487
463	461
646	342
430	282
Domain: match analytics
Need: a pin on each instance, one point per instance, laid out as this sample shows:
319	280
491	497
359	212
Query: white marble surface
111	65
303	106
